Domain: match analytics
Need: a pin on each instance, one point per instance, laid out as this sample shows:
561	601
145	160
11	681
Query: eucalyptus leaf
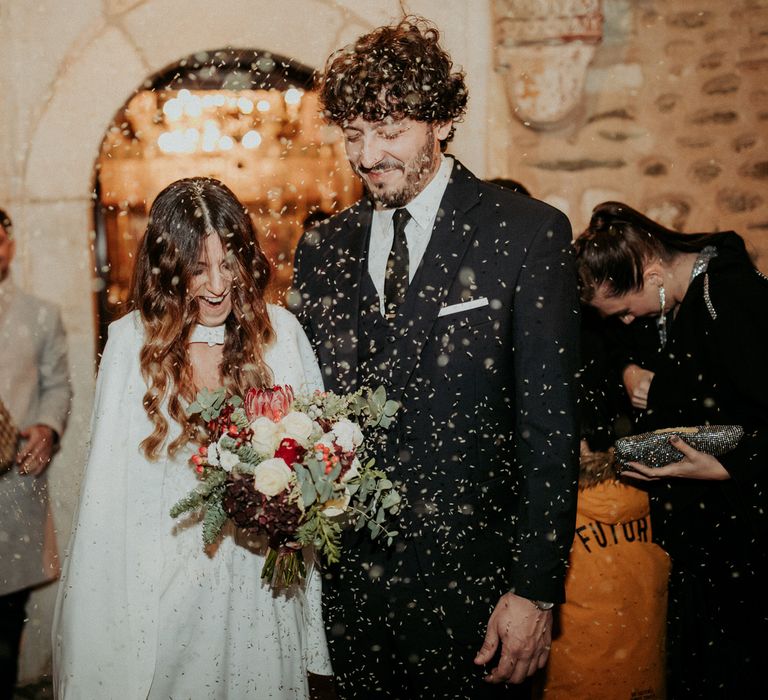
308	494
390	499
335	473
317	470
391	408
324	490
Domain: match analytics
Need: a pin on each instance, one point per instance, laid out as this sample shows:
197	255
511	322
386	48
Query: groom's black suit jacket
486	439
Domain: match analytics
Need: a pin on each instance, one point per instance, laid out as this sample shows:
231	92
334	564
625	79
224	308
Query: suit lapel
451	236
346	267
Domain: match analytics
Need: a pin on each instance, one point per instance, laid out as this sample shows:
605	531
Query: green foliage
207	496
214	518
204	492
208	403
323	534
238	416
373	407
375	496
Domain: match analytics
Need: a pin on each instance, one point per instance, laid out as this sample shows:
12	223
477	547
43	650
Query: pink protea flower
271	403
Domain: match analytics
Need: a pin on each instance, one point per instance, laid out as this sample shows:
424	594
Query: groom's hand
525	633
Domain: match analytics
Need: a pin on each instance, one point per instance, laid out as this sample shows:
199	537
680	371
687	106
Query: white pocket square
463	306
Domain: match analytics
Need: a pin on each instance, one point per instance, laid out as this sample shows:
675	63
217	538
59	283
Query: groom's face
395	158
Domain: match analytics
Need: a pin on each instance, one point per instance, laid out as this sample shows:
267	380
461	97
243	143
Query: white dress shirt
423	210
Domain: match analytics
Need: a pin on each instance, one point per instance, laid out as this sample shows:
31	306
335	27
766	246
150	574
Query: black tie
396	279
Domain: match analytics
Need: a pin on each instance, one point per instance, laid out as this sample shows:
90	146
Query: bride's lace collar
213	335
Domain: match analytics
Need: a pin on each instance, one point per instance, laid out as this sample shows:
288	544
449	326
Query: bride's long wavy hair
181	217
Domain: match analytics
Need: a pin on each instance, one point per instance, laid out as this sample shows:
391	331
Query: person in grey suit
36	391
460	297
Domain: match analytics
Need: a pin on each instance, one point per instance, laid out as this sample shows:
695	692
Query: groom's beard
418	171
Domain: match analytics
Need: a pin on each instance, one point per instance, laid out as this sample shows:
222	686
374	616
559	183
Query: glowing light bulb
293	96
245	105
173	109
193	106
251	139
165	142
263	105
211	135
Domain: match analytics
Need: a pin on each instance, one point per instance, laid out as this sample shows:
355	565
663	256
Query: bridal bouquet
293	469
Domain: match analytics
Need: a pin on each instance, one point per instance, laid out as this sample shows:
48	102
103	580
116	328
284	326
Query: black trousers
389	640
12	613
717	619
717	630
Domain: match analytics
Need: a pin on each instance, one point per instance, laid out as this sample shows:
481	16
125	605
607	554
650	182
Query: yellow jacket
610	644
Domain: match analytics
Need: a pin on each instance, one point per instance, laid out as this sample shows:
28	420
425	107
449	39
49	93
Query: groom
460	297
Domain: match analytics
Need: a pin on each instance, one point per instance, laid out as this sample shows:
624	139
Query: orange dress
610	644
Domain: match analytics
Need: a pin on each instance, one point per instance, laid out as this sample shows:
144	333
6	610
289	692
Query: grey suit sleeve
546	359
55	389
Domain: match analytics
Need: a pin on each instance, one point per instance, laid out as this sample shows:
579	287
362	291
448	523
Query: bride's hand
694	465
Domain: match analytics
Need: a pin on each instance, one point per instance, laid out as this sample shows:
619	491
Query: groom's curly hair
397	70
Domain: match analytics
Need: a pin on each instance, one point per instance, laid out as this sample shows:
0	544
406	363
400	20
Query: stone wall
673	120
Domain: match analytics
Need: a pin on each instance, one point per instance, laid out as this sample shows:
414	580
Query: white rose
336	506
352	472
272	476
228	460
348	435
266	435
298	426
213	455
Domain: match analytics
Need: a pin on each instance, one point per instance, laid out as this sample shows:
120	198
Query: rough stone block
690	20
736	201
719	117
756	169
704	171
722	84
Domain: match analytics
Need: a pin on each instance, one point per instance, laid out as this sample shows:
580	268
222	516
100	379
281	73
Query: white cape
143	611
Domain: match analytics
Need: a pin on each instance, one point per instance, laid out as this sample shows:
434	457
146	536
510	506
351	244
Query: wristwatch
543	605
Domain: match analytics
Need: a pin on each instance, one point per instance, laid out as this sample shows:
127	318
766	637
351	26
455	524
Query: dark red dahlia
275	517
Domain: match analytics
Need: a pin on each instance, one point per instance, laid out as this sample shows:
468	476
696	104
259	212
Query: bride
143	610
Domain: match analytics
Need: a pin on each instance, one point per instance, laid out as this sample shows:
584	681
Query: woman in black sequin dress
710	514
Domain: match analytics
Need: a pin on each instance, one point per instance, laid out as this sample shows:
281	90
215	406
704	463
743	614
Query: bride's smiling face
211	283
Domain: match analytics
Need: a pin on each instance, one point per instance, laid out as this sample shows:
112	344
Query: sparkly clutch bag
655	450
9	437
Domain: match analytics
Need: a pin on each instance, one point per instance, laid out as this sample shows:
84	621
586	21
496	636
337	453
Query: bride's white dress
143	611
